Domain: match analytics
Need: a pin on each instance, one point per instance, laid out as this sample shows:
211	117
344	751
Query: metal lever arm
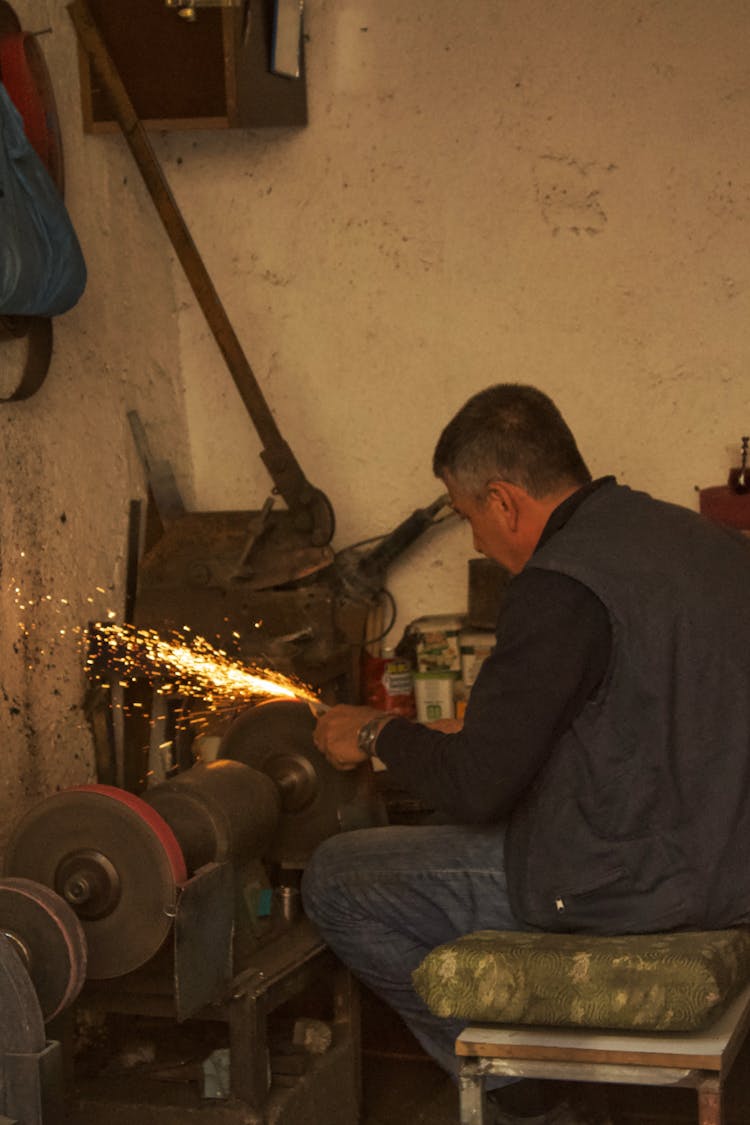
309	503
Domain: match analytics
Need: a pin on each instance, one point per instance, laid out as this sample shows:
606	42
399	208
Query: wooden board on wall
210	74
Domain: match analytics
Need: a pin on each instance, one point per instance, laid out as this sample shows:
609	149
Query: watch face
366	737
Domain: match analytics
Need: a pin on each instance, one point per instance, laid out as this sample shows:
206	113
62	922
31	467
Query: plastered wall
550	191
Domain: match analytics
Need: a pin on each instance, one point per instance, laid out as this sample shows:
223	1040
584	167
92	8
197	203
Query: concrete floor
407	1092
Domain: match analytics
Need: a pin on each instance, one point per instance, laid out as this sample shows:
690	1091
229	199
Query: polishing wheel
45	932
218	811
21	1022
113	860
276	738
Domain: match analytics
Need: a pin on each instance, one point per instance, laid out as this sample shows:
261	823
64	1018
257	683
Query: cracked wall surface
551	191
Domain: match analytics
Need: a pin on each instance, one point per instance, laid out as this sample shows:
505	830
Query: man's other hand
446	726
336	734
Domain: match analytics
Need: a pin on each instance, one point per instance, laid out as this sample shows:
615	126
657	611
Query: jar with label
475	646
435	695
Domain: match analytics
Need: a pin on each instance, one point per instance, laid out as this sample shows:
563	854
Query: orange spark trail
194	669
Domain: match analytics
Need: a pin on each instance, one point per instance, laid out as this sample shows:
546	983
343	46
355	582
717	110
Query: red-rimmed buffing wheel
116	863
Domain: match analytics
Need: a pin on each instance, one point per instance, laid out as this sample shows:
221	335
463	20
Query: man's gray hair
514	433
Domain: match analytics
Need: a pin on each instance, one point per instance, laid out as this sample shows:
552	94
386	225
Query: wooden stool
698	1059
643	1009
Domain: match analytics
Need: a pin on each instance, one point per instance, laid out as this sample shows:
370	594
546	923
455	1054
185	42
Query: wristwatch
367	735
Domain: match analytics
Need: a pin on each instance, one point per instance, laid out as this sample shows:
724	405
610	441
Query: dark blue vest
640	820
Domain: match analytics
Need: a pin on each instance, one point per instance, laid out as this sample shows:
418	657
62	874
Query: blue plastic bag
42	271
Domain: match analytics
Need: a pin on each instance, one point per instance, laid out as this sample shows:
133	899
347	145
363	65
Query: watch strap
367	735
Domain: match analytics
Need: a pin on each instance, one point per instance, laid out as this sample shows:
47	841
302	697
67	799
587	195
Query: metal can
388	684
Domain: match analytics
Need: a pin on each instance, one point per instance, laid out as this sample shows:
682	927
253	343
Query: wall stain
568	193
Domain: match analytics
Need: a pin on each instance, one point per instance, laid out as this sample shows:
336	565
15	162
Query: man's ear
504	498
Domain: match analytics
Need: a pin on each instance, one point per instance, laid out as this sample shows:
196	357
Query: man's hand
336	734
446	726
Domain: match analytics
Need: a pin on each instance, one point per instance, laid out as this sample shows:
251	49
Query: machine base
326	1094
148	1067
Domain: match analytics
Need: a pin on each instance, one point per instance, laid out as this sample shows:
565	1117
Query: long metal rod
281	463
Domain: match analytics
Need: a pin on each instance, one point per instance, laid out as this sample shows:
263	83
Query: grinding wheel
21	1023
115	862
275	737
47	935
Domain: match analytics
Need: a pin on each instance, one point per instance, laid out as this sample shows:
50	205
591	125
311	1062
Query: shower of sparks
192	669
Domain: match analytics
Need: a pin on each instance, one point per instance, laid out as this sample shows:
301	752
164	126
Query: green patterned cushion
654	982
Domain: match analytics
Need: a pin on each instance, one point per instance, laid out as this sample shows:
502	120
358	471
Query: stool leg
471	1094
710	1109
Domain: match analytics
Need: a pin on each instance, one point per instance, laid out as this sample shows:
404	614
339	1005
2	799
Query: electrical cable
384	593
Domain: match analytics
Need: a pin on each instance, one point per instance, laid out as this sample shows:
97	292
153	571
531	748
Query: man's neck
568	504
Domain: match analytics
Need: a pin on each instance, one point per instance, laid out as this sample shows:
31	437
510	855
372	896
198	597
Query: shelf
213	73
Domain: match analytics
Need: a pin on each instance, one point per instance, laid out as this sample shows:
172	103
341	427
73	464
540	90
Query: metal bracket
203	930
186	9
38	333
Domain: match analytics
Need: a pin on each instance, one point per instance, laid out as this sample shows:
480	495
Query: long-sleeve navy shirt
552	649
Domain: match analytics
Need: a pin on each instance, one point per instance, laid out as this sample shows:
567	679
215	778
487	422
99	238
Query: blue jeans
382	898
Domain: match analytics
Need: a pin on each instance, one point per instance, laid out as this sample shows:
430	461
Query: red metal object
27	80
25	76
723	505
730	503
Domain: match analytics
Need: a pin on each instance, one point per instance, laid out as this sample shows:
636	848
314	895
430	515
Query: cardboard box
437	642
